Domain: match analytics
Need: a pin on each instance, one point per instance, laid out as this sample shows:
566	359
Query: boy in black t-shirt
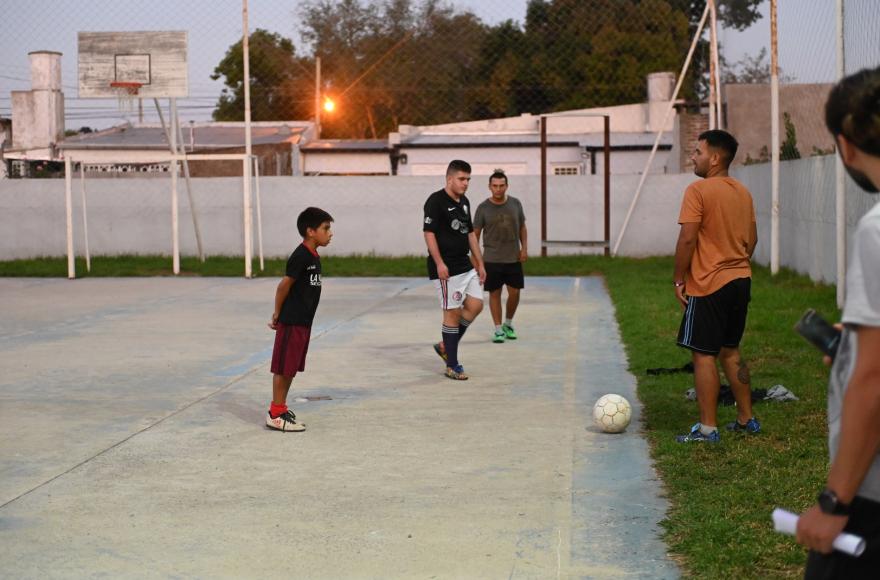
296	301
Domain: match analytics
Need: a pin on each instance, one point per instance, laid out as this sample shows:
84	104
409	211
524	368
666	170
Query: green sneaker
499	336
509	332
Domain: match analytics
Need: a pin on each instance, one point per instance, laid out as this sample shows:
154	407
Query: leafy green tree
581	53
398	62
279	81
392	62
752	70
789	149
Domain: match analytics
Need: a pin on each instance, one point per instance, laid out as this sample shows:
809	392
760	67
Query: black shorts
864	522
498	275
717	320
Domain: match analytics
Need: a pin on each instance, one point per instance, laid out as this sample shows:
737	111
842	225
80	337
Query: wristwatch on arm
830	504
678	283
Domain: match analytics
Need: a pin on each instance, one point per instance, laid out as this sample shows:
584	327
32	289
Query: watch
678	284
831	505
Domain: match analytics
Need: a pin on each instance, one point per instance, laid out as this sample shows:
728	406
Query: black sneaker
751	426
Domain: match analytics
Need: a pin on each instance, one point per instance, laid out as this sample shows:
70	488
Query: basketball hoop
126	94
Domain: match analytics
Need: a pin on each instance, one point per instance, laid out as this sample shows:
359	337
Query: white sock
509	322
707	429
498	328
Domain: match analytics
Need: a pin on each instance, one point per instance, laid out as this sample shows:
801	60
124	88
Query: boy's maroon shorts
291	346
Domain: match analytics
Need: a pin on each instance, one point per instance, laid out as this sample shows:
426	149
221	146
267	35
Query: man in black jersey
458	276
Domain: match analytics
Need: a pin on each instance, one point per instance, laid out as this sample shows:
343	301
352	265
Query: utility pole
317	97
774	143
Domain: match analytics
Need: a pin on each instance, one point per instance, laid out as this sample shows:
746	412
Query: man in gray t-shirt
851	499
501	221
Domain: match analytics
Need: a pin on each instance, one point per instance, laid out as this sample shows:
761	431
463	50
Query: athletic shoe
499	336
438	348
457	373
509	332
285	422
751	426
696	436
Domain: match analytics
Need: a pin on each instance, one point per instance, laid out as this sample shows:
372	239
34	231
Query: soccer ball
612	413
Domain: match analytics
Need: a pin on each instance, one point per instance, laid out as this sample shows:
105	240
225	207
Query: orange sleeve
691	206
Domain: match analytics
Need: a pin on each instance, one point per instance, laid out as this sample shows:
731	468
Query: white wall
807	230
381	215
524	160
317	162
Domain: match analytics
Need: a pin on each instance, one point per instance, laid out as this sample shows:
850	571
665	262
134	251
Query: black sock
450	341
462	327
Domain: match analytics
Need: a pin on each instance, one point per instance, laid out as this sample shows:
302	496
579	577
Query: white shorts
453	291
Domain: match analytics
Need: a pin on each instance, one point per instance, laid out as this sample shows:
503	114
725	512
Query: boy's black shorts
499	274
717	320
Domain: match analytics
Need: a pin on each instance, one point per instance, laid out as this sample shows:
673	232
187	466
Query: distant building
347	157
37	116
144	149
5	141
575	140
748	118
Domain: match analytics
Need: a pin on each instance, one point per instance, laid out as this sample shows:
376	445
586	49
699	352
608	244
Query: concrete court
132	442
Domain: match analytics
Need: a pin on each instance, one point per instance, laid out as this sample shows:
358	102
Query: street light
329	105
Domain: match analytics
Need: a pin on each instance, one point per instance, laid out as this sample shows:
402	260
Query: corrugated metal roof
198	137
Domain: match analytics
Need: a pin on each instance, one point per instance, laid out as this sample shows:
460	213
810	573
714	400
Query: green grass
345	266
721	496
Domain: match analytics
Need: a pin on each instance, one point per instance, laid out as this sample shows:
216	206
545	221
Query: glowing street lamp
329	105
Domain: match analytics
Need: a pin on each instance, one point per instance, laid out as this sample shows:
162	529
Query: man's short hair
457	165
718	139
498	174
311	217
853	110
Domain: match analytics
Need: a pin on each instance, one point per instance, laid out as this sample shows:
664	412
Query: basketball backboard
155	60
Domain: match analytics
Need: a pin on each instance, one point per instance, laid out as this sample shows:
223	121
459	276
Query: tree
398	62
789	148
752	70
280	85
580	53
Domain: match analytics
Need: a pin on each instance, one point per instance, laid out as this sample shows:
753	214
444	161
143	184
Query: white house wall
379	215
527	160
347	163
484	160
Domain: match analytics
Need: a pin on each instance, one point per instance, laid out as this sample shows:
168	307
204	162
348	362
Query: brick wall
691	125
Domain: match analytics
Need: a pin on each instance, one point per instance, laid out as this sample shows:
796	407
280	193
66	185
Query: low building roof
195	137
347	146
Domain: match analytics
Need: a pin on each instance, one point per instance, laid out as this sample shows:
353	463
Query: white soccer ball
612	413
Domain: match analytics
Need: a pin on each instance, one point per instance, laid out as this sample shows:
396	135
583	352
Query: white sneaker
284	422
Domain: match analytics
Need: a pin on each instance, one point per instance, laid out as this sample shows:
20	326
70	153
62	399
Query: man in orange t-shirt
713	281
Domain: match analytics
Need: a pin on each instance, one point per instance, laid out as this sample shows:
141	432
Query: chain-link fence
383	63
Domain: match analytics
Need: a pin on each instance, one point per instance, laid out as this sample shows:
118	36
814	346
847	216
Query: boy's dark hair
853	110
499	174
457	165
311	217
718	139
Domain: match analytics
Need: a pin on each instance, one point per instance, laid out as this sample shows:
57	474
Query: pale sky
806	39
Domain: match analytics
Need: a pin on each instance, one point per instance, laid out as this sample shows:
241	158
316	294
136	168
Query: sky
806	33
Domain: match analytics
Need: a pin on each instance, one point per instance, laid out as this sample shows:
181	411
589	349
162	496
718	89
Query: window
570	169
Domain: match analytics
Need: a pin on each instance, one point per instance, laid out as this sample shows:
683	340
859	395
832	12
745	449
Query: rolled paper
786	522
